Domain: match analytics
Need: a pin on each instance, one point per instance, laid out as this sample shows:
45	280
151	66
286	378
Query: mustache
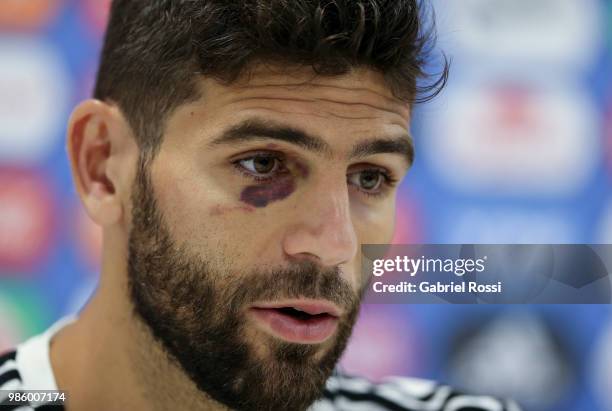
302	280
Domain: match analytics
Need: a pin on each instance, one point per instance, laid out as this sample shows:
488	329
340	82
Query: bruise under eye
263	194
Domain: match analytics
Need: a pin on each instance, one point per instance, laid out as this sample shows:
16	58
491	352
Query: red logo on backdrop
26	220
96	12
512	111
515	138
28	14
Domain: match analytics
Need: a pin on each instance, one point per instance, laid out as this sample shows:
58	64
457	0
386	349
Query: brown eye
367	180
263	164
260	165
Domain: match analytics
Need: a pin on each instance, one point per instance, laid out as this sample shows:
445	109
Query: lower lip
311	331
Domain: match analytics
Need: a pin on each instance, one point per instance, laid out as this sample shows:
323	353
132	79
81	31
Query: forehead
361	94
343	110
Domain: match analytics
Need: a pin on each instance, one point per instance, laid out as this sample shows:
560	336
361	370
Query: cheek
264	194
376	226
221	209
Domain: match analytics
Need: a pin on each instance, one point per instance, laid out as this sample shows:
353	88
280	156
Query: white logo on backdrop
554	32
528	364
511	138
33	99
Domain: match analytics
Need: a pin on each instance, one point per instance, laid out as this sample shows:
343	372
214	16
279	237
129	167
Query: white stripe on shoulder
413	386
356	385
359	394
406	399
8	365
467	401
409	393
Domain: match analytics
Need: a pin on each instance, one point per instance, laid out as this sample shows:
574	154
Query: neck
108	359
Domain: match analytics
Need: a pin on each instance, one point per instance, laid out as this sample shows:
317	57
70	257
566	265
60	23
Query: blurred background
517	149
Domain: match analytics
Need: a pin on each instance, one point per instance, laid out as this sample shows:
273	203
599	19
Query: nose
323	230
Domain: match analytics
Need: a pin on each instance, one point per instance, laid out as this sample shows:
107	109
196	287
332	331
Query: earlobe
90	146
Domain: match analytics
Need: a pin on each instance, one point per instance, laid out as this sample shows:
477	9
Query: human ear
95	141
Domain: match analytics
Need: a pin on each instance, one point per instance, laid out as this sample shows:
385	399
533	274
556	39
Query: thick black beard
193	311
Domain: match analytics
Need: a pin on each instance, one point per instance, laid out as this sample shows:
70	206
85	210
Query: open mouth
299	323
300	315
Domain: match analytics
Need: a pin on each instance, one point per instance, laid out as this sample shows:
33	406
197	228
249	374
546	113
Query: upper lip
306	305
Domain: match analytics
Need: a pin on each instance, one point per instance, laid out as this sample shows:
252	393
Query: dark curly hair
154	50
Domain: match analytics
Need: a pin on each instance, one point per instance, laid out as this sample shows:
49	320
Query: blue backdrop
517	149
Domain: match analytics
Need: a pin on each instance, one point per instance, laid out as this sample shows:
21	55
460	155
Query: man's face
243	251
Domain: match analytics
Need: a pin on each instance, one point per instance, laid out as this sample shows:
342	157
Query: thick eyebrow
258	129
255	129
400	145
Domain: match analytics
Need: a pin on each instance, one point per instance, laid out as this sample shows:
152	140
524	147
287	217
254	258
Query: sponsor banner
533	362
488	273
33	99
515	138
556	33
